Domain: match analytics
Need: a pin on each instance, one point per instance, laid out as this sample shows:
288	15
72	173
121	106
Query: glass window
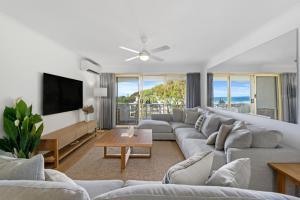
220	91
240	93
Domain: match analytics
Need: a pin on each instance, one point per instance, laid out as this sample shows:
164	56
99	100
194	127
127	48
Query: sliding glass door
127	100
140	96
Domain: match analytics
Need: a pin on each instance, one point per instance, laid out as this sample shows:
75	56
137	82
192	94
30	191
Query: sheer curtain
289	97
193	90
108	104
210	87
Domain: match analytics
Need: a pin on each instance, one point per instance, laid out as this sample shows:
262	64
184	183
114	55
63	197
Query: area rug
94	166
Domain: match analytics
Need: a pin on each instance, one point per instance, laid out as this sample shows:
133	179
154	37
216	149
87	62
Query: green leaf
10	113
34	119
21	107
5	145
10	129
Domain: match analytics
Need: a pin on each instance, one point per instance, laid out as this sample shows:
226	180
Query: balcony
131	113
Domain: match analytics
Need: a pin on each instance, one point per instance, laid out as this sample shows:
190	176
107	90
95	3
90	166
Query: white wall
277	27
24	56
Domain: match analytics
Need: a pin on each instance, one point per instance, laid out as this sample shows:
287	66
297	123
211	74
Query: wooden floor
88	163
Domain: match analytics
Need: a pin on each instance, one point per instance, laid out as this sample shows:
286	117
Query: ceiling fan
145	54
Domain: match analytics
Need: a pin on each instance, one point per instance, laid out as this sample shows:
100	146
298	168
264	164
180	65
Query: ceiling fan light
144	57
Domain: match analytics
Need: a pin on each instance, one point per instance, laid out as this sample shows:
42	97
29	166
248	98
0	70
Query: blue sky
238	88
131	86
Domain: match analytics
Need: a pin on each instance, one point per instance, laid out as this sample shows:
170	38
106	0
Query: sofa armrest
162	117
262	176
46	190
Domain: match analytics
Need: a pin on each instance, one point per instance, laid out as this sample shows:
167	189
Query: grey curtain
289	97
193	90
210	92
107	106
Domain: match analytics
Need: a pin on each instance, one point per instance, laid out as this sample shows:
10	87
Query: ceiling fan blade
157	58
162	48
132	58
128	49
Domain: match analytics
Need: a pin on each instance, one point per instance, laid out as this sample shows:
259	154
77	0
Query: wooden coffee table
113	138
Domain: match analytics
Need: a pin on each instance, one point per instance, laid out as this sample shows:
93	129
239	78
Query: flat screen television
61	94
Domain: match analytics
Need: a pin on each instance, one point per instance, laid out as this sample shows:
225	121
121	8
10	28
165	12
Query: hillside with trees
171	92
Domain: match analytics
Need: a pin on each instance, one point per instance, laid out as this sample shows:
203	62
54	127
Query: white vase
86	118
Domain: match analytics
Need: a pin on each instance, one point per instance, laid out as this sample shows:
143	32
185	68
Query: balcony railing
131	113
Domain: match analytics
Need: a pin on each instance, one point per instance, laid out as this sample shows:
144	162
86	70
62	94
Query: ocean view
234	100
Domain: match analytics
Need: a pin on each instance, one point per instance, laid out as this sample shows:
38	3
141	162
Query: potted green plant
22	129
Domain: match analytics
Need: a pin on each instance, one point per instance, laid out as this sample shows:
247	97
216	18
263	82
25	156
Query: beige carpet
94	166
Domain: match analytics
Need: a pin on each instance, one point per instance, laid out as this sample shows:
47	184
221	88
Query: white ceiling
196	30
277	55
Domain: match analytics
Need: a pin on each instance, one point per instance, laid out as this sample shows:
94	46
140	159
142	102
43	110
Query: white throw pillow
211	140
193	171
57	176
191	117
22	169
234	174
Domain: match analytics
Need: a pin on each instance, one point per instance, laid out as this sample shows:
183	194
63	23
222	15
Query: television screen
61	94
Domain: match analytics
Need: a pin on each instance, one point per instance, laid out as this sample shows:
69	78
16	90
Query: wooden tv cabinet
60	143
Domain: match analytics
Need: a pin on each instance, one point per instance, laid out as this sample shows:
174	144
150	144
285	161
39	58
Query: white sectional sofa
117	190
265	147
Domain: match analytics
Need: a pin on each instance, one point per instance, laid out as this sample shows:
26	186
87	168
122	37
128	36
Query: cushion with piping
210	125
178	115
191	117
22	169
192	171
235	174
238	138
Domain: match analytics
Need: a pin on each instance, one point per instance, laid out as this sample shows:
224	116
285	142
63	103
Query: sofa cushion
211	124
156	126
45	190
191	117
188	192
178	115
98	187
22	169
240	138
222	135
211	140
184	133
199	122
264	138
162	117
190	147
235	174
226	120
130	183
176	125
57	176
192	171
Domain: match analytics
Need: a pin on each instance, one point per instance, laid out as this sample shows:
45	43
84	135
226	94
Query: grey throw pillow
178	115
238	138
235	174
192	171
210	125
222	135
199	122
211	140
22	169
191	117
